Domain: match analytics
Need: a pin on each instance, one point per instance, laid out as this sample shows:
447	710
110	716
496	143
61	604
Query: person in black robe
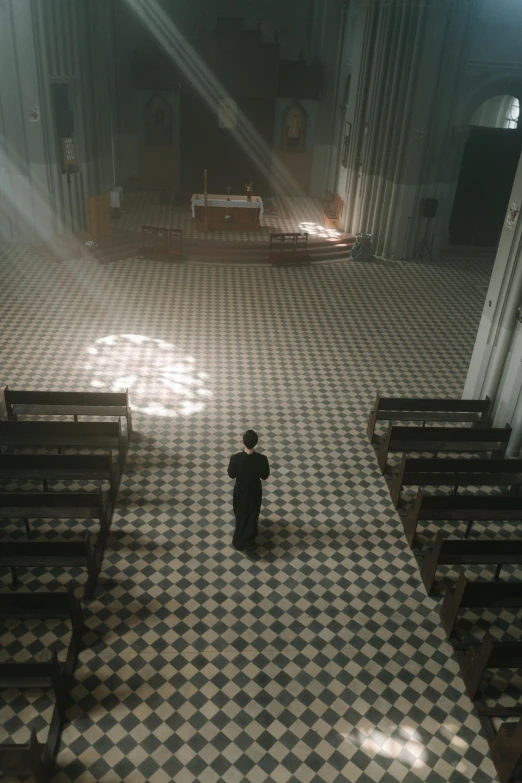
248	468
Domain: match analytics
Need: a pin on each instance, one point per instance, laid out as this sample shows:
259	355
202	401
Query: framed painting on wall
346	143
295	120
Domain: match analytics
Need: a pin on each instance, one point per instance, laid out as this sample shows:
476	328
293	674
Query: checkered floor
320	660
293	213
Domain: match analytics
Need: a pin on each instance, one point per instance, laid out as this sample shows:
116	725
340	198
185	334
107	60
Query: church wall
293	21
495	369
298	164
53	45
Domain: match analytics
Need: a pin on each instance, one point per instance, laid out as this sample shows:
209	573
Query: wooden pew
473	595
59	467
445	439
50	554
490	655
448	472
59	605
506	751
35	758
485	552
24	760
67	434
52	403
56	505
465	508
476	412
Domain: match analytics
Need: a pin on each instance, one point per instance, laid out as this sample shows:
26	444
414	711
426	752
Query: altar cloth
235	202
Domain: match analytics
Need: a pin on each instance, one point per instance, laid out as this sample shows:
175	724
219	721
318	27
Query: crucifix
248	186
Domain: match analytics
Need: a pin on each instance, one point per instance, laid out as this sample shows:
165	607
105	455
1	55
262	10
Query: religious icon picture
158	122
227	113
512	215
346	144
293	138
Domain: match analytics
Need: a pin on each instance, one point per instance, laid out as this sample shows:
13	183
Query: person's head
250	439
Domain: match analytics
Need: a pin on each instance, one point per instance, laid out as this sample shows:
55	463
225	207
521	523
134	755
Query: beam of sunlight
317	230
378	743
161	379
161	27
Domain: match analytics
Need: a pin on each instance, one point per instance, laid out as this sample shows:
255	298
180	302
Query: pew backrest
448	472
91	434
51	403
476	412
445	439
459	508
59	467
475	595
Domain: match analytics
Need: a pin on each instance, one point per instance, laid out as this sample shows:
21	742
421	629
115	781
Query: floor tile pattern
319	660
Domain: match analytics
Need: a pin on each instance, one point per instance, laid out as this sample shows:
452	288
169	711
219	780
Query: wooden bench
448	472
56	505
35	758
26	759
163	243
476	412
474	595
332	216
59	605
64	434
506	752
51	403
52	554
466	508
59	467
490	655
445	439
486	552
289	247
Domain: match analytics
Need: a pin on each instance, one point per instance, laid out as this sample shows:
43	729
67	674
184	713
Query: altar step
127	244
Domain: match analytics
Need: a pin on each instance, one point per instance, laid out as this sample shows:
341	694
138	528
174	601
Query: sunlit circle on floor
162	380
316	230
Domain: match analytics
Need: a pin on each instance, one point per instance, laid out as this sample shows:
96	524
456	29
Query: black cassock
248	470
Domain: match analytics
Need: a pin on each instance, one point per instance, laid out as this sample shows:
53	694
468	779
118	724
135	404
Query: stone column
25	187
495	369
408	63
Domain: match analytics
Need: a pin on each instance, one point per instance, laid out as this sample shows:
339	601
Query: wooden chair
465	508
163	243
393	409
331	217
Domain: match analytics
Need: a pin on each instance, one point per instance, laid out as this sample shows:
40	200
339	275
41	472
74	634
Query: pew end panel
475	664
382	457
372	421
397	483
24	760
506	752
451	605
412	519
430	562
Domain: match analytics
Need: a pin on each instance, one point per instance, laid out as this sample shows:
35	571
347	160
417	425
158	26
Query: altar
236	213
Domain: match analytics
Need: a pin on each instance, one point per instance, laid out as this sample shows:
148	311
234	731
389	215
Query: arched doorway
486	175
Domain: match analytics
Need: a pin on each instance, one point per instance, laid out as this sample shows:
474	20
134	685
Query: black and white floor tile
319	660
